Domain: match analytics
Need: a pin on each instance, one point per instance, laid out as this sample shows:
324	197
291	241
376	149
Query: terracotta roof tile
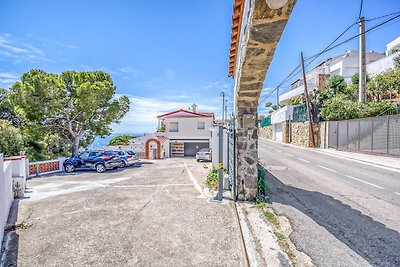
235	36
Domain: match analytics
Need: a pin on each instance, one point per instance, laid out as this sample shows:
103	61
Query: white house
278	117
186	131
386	63
345	64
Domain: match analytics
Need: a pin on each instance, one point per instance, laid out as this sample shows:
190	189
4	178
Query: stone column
257	26
247	145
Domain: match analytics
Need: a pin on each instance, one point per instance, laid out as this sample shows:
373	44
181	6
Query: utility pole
277	97
226	109
223	106
310	115
362	96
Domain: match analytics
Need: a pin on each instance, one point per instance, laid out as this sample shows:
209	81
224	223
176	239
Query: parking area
152	215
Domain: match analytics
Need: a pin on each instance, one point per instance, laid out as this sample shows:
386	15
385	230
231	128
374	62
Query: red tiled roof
238	6
188	112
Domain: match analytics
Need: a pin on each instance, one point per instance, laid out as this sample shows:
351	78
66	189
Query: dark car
127	157
97	160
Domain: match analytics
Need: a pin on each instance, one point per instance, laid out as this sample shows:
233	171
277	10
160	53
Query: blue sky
165	55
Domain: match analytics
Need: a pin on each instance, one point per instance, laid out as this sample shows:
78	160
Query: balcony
284	98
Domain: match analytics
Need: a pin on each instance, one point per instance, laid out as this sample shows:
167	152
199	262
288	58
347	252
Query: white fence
6	193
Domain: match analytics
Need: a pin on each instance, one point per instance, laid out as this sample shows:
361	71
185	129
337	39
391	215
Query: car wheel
100	168
69	167
197	160
122	164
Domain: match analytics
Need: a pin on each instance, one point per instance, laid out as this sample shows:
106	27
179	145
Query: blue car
127	157
96	160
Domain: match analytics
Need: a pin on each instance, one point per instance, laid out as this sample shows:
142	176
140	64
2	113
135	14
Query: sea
100	142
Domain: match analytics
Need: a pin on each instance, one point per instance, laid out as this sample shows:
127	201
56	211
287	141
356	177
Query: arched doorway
158	155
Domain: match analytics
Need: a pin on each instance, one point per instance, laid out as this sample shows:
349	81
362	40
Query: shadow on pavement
10	246
372	240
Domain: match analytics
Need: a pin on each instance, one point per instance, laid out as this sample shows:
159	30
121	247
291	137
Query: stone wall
301	136
266	132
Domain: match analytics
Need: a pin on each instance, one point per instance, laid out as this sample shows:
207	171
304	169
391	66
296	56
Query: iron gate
232	157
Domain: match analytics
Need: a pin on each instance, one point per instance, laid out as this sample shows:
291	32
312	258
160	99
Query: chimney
194	107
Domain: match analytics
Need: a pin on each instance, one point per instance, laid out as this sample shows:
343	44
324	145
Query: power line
313	58
361	7
328	48
383	16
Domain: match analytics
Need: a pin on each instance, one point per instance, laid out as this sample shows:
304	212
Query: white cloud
142	117
129	69
11	48
7	79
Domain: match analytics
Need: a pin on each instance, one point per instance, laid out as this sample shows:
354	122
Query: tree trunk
75	146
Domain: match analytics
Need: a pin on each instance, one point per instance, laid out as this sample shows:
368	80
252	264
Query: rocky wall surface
266	132
300	134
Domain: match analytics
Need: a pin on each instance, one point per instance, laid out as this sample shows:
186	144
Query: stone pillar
247	144
257	26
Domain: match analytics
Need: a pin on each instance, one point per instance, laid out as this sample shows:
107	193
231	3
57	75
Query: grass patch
211	181
271	218
279	236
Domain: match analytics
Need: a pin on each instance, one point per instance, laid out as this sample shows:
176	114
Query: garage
278	132
191	148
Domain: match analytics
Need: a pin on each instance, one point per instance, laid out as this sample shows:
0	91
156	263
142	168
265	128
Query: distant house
345	65
187	131
386	63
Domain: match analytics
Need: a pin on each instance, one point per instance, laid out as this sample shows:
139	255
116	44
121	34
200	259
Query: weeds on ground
262	187
212	179
271	218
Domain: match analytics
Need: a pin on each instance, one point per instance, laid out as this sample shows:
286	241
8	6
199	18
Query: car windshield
109	153
204	150
131	153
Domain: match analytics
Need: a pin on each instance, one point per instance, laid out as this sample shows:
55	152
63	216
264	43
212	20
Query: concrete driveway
153	215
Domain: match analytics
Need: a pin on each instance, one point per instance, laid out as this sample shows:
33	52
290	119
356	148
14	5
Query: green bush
212	179
121	140
341	108
11	140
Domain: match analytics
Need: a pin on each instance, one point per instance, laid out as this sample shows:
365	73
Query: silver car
204	154
128	158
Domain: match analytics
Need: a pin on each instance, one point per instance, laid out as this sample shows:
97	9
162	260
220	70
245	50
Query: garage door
191	148
278	132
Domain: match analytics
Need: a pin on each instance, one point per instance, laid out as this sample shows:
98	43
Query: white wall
6	193
382	65
187	128
282	114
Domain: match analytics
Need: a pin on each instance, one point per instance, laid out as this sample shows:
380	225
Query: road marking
195	183
277	150
304	160
326	168
290	155
397	193
365	182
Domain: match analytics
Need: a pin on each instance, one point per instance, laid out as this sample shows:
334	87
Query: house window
201	125
173	127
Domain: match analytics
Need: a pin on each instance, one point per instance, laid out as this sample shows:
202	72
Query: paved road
155	215
344	213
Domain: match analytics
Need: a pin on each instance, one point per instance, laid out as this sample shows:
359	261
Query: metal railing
376	135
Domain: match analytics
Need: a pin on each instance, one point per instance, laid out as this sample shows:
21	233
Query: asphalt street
343	213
